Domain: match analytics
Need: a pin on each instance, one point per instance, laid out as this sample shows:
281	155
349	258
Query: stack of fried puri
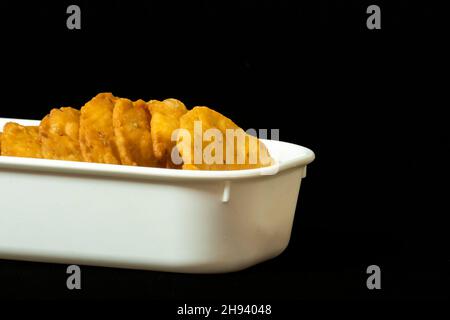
115	130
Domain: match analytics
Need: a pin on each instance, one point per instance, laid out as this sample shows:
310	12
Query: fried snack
154	134
245	151
20	141
59	134
97	141
165	120
131	121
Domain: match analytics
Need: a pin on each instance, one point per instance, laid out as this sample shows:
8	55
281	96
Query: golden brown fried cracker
165	120
59	134
20	141
189	167
247	154
97	141
131	123
0	143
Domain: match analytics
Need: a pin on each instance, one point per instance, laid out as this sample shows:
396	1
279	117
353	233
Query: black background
370	103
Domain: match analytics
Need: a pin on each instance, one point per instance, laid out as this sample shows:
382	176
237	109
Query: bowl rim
303	156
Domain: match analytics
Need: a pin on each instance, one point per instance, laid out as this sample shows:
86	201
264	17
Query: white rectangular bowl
148	218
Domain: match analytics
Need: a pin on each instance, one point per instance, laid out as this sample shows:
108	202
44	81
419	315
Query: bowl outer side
168	226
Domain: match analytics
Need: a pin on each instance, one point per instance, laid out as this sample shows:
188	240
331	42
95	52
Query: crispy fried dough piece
245	151
97	141
20	141
59	134
1	143
131	121
186	166
165	120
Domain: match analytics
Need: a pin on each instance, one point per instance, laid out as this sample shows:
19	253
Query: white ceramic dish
148	218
